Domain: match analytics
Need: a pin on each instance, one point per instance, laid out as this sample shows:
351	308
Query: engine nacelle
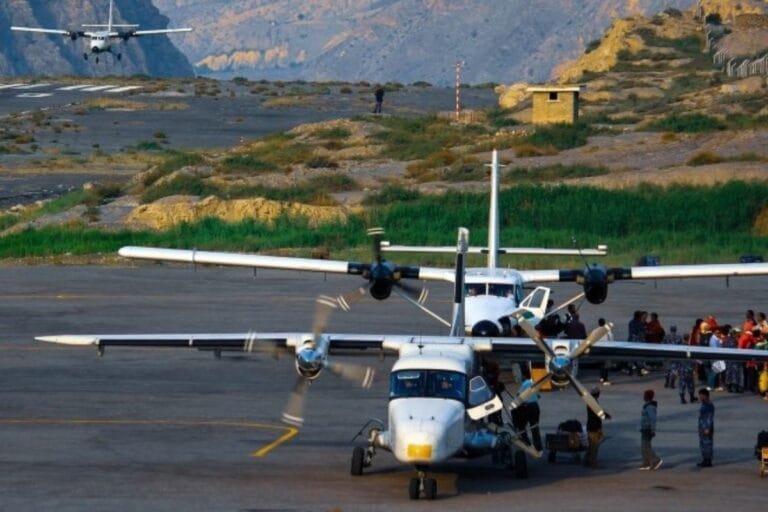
596	284
381	288
309	363
486	329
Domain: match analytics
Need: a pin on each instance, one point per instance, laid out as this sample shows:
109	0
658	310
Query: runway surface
180	430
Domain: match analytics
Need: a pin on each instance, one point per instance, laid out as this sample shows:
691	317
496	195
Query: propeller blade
349	299
293	414
590	340
361	374
524	395
253	345
527	448
587	397
418	295
531	331
325	305
422	307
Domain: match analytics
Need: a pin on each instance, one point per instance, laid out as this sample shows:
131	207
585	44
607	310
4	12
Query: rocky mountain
394	40
34	54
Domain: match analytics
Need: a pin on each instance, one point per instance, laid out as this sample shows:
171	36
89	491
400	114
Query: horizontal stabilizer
601	250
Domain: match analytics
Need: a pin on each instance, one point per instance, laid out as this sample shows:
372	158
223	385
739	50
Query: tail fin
457	320
493	214
109	23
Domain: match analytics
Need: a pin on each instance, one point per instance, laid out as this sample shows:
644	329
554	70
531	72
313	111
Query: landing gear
423	484
85	56
97	59
358	461
119	56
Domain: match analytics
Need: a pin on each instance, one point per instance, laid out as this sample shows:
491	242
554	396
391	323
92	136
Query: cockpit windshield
428	383
503	290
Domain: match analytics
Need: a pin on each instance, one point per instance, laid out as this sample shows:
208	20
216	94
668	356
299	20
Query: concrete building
555	103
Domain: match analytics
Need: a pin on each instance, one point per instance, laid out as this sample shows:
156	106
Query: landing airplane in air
104	36
494	293
439	401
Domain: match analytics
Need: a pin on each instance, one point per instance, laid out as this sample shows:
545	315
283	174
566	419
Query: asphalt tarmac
180	430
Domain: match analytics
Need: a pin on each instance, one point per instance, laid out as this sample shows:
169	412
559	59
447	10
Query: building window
553	96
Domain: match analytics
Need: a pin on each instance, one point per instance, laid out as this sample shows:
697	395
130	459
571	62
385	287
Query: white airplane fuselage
428	424
98	42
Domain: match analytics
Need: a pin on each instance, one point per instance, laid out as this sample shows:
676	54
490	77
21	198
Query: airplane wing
522	348
137	33
277	262
657	272
245	341
630	351
44	30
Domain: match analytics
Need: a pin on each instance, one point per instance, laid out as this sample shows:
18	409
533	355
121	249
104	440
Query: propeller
312	357
560	366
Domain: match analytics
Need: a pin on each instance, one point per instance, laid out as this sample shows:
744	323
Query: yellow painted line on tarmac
288	432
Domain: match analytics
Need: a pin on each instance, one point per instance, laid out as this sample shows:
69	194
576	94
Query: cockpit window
428	383
503	290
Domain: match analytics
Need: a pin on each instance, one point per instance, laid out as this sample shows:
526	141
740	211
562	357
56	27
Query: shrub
561	135
335	133
526	149
705	158
714	19
148	145
186	184
160	135
390	194
673	13
553	172
499	118
173	162
688	123
245	163
321	161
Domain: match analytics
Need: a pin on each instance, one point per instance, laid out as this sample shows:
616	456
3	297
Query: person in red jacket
654	332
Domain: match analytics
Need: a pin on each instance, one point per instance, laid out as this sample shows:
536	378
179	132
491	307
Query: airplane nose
486	329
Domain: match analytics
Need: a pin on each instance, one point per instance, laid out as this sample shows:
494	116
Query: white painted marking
9	86
74	87
31	86
125	88
34	95
97	88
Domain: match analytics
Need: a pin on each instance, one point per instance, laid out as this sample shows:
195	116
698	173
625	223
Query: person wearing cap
670	374
594	432
651	461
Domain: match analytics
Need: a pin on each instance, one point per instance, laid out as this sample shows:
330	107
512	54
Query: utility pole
459	65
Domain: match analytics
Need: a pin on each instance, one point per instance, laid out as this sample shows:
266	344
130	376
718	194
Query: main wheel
119	56
358	459
521	465
430	488
85	56
413	489
552	456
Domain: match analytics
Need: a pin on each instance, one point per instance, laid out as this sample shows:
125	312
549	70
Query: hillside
393	40
39	54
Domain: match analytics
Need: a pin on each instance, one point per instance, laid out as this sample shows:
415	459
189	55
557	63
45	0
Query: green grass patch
390	194
245	163
499	118
559	136
181	184
148	145
172	163
687	123
553	173
418	137
335	133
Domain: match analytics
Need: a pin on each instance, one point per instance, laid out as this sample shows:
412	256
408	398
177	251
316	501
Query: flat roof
555	88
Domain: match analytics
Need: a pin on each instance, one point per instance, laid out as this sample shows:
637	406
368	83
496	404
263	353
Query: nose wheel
422	484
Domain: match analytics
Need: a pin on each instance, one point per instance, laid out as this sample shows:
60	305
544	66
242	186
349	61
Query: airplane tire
430	488
413	489
358	458
552	456
119	56
521	465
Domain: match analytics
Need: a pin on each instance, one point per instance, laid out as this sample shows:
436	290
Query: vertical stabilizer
109	23
457	320
493	214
